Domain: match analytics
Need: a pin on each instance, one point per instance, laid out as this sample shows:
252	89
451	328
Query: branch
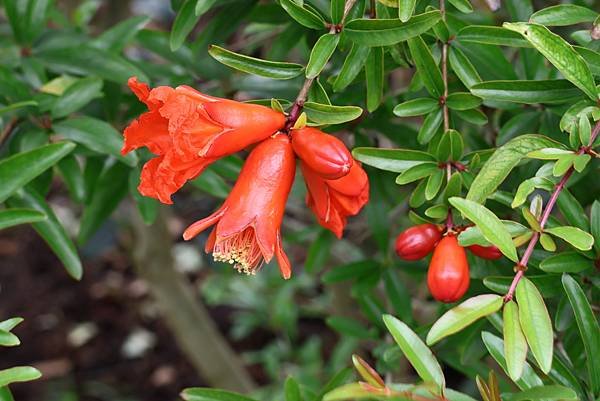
522	265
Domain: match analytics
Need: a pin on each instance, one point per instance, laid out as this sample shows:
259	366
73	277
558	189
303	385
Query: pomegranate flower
188	130
333	200
247	225
324	154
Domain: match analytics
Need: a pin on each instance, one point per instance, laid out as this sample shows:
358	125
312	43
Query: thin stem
522	265
347	7
445	79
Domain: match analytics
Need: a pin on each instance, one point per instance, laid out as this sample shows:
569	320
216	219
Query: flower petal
282	260
203	224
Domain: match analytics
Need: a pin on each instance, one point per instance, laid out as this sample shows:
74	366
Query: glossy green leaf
572	210
19	169
416	107
302	15
256	66
548	392
292	390
462	101
464	6
212	394
13	217
463	315
548	284
202	6
17	105
566	262
76	96
9	324
96	135
386	32
490	226
417	172
434	183
118	36
406	9
320	54
595	223
528	92
396	160
515	345
51	231
430	126
501	163
353	63
462	67
560	53
588	328
491	35
349	327
417	353
374	74
429	71
18	374
8	339
535	323
73	177
574	236
563	14
329	114
185	21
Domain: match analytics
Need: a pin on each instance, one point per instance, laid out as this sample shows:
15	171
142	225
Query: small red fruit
448	275
418	241
486	252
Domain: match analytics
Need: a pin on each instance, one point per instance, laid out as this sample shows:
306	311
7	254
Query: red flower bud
322	153
418	241
448	275
486	252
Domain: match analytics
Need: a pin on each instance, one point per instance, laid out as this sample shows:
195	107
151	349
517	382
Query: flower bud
418	241
322	153
448	275
486	252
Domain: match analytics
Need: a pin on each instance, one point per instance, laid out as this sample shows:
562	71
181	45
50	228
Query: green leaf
462	67
21	168
73	177
17	105
417	353
560	53
528	186
536	323
548	284
463	315
588	329
595	223
574	236
547	242
76	96
256	66
500	164
353	63
416	107
8	339
18	374
96	135
490	226
375	78
462	101
464	6
212	394
118	36
349	327
548	392
417	172
111	187
572	210
202	6
549	153
406	9
292	390
349	391
302	15
426	66
472	116
398	295
566	262
185	21
491	35
320	54
434	183
51	231
9	324
329	114
430	126
13	217
386	32
396	160
528	92
563	14
515	345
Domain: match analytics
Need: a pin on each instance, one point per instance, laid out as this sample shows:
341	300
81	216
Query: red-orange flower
324	154
188	130
247	225
333	200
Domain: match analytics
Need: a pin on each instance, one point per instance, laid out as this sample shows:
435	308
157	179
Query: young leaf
574	236
463	315
302	15
395	160
588	329
386	32
337	11
18	374
320	54
490	226
374	74
367	372
417	353
329	114
416	172
256	66
536	323
434	183
515	346
560	53
21	168
13	217
430	126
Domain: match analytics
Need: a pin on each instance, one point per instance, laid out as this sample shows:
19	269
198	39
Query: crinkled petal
149	130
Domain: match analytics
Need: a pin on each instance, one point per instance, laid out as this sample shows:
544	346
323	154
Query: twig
522	265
